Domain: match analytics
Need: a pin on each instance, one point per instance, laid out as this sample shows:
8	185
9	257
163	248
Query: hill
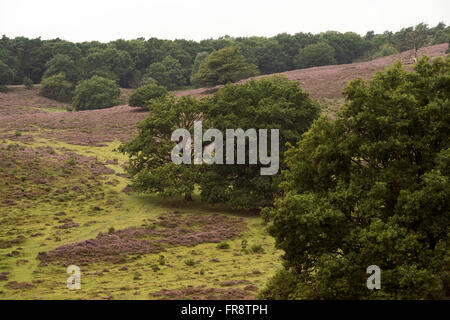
64	200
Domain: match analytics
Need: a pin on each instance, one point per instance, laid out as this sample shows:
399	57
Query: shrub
28	83
6	74
146	80
189	262
96	93
155	267
56	87
223	246
257	248
111	230
144	94
223	66
162	260
318	54
371	187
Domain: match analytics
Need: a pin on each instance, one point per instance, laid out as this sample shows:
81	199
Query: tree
314	55
150	151
6	74
223	66
62	63
28	83
201	56
56	87
370	188
384	50
142	96
96	93
109	63
266	103
168	73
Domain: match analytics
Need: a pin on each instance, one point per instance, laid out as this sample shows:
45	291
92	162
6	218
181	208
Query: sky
106	20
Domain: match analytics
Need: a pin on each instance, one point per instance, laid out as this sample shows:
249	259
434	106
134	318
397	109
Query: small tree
267	103
96	93
168	73
56	87
62	63
224	66
6	74
201	56
314	55
144	94
28	83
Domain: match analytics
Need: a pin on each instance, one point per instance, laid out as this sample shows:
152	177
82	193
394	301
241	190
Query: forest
175	64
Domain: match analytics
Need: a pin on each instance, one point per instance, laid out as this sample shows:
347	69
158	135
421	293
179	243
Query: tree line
183	63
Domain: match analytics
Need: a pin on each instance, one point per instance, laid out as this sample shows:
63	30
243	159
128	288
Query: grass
108	209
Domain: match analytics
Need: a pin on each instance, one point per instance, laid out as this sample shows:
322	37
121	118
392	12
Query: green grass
212	265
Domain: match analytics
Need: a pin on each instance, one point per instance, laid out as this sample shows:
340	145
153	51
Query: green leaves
96	93
144	94
371	187
223	66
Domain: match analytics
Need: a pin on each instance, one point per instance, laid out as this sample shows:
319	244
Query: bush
257	248
144	94
371	187
28	83
224	66
314	55
162	260
56	87
96	93
189	262
6	74
223	246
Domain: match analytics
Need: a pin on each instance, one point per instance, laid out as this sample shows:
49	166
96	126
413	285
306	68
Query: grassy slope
35	124
118	210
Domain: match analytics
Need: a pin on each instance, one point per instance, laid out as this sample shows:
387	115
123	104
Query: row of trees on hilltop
180	63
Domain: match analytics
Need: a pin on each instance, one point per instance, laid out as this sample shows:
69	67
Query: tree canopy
174	63
224	66
96	93
370	188
267	103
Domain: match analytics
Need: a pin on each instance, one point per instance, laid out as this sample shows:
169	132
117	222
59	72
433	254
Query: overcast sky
105	20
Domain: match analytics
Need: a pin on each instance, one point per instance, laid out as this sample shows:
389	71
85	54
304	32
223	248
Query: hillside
327	82
64	200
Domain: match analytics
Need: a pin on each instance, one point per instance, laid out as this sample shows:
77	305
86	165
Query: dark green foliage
28	83
168	73
6	74
223	246
201	56
96	93
56	87
150	161
126	61
61	63
370	188
385	49
144	94
319	54
109	63
266	103
224	66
